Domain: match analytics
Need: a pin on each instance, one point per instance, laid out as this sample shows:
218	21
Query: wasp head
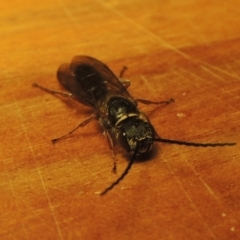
136	134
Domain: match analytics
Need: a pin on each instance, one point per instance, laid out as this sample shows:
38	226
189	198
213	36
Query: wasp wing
90	81
72	83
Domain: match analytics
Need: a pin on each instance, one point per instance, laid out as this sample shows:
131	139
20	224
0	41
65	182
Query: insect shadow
92	83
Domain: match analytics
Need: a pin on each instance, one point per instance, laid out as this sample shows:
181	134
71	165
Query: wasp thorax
135	133
119	109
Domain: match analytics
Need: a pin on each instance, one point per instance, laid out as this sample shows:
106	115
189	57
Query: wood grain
187	50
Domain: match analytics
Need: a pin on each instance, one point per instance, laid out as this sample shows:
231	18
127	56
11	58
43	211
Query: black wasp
92	83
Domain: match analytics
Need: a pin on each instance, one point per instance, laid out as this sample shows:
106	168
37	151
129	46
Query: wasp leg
122	71
111	145
144	101
82	124
110	137
63	94
125	82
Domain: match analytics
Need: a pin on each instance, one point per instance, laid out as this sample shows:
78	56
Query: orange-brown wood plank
186	50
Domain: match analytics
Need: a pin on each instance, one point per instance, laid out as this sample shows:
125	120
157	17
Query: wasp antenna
123	174
193	144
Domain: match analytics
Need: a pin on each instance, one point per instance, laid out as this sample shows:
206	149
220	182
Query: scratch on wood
16	197
221	70
68	13
38	170
142	28
203	182
212	73
185	78
215	86
199	34
148	84
222	89
232	71
189	198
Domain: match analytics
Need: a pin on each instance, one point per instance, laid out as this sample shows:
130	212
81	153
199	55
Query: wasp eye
123	140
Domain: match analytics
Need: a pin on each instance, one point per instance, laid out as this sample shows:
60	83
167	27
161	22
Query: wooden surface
187	50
